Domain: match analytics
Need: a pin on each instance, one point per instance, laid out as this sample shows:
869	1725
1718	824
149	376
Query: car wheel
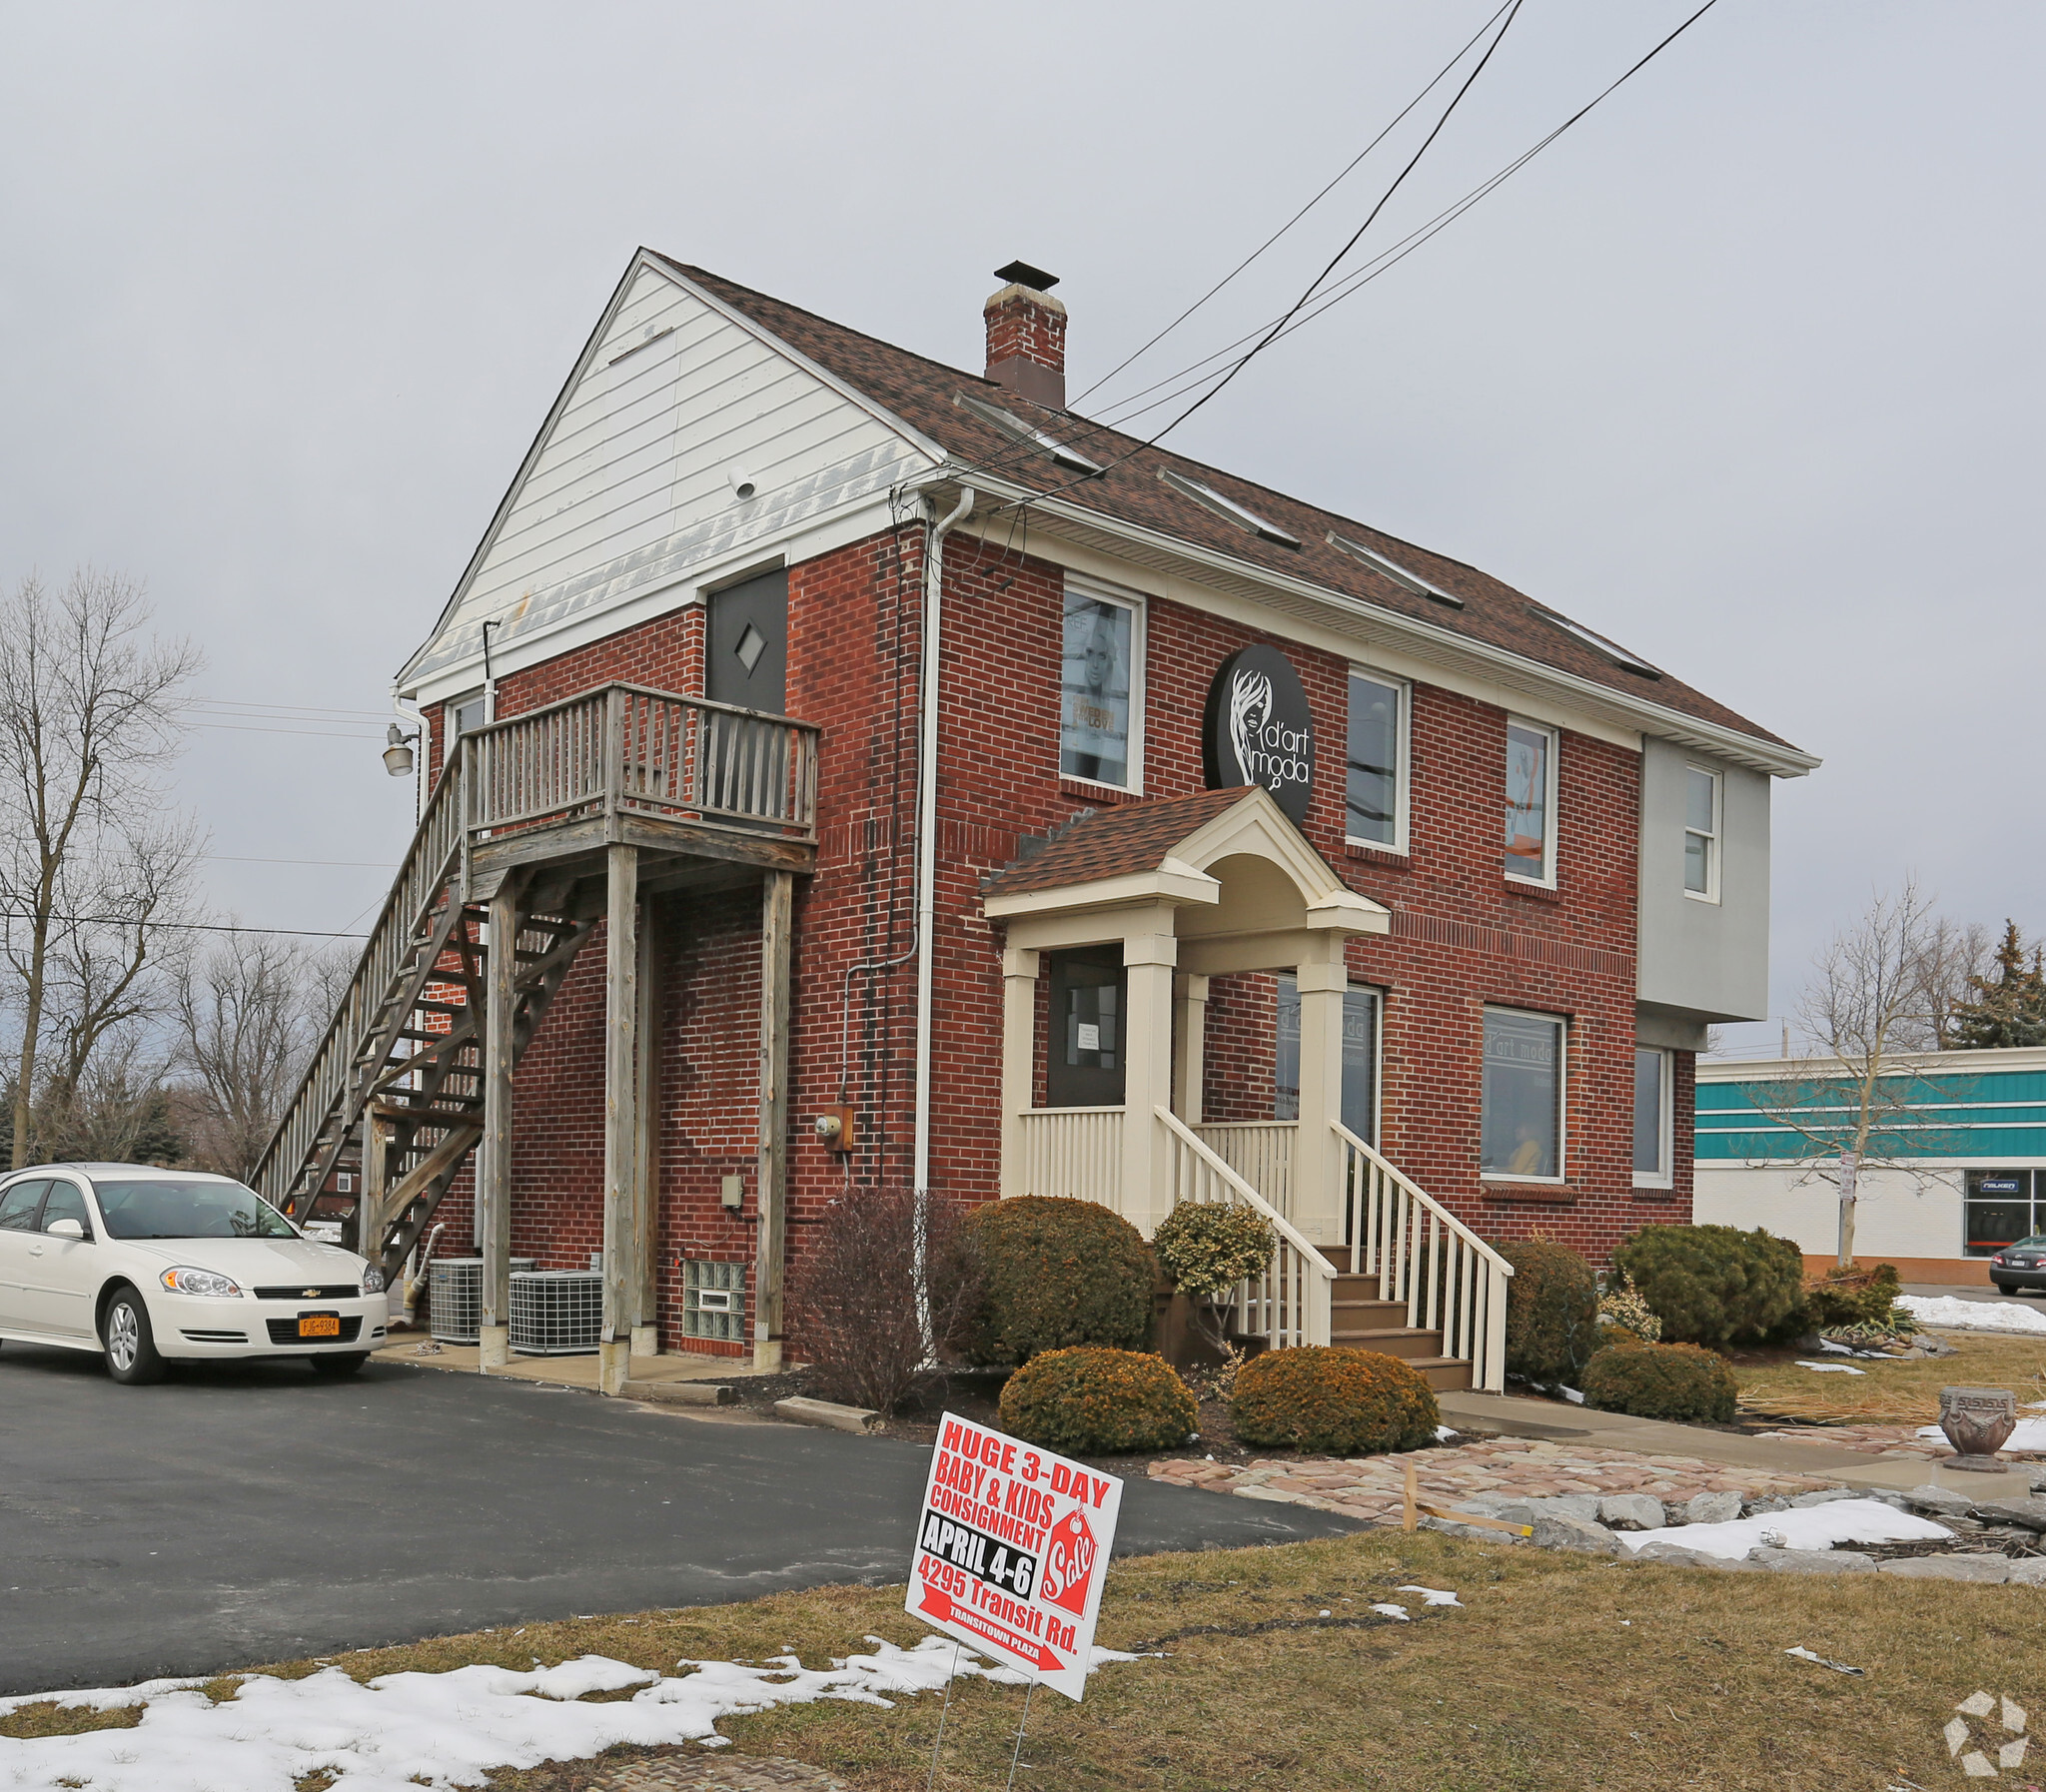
132	1355
339	1365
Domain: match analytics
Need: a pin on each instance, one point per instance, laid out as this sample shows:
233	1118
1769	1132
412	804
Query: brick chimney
1026	335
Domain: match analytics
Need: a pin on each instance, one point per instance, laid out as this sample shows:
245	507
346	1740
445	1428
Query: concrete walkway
414	1349
1515	1416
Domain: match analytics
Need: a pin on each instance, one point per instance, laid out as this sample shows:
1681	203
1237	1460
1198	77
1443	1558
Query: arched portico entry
1127	913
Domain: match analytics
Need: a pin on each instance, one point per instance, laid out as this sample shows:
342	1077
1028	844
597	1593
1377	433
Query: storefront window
1360	1059
1521	1128
2001	1210
1096	699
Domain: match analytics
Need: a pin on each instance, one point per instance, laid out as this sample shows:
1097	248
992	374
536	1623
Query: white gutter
927	831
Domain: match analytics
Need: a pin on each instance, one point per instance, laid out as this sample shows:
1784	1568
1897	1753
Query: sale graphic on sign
1012	1546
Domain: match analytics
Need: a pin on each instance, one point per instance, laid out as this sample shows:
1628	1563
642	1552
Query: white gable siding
629	488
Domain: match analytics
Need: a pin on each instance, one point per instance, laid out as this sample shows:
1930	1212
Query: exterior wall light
398	755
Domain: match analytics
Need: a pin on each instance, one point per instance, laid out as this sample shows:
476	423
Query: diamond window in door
752	643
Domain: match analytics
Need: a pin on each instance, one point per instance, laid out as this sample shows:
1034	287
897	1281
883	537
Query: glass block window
714	1299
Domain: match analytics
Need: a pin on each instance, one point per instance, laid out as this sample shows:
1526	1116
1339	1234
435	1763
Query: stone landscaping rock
1570	1505
1826	1497
1989	1570
1630	1511
1674	1555
2029	1512
2028	1570
1552	1530
1941	1502
1711	1509
1811	1561
1449	1527
1756	1507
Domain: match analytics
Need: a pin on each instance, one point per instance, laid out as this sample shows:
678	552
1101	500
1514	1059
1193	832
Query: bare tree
249	1012
1852	1106
90	870
1953	955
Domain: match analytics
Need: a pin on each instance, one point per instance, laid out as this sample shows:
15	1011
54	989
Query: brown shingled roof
1121	842
922	392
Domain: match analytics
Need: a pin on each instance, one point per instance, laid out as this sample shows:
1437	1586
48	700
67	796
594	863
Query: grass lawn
1889	1393
1563	1672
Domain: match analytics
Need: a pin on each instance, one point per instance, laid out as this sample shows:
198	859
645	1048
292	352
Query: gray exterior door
1085	1046
746	649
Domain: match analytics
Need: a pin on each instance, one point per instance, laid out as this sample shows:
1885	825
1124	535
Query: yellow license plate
319	1324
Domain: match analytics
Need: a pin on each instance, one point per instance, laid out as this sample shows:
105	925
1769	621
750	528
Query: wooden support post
777	926
1317	1167
646	1168
1150	952
621	1113
376	1174
1189	1046
494	1160
1410	1516
1019	1060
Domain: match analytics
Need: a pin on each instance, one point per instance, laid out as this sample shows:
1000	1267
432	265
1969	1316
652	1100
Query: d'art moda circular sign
1259	729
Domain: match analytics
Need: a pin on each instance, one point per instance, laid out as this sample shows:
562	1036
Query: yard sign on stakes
1012	1546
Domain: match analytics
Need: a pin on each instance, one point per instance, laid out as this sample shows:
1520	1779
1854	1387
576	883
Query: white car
155	1266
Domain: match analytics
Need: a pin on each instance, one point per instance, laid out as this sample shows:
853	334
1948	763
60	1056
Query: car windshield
163	1209
2037	1242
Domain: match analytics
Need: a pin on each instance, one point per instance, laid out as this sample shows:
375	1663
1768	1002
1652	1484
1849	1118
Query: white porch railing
1073	1150
1291	1303
1449	1277
1259	1151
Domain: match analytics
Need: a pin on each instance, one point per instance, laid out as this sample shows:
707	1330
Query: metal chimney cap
1022	274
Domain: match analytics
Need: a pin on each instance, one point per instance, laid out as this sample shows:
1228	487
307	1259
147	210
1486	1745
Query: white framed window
1101	696
1701	815
1521	1131
1531	802
466	714
1375	771
1654	1121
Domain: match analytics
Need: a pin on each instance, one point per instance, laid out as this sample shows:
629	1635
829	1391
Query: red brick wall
1462	936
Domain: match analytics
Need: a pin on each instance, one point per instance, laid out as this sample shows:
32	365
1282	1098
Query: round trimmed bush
1660	1380
1207	1248
1334	1402
1059	1272
1092	1401
1551	1311
1714	1285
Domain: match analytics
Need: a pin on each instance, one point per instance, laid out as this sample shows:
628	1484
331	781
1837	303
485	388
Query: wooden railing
1292	1303
1449	1277
1259	1151
1073	1150
623	749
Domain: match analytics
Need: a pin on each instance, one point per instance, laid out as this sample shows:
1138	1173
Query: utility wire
1344	175
303	933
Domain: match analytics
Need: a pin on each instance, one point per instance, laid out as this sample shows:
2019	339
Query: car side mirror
66	1228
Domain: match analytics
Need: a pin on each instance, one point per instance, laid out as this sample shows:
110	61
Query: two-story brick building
891	777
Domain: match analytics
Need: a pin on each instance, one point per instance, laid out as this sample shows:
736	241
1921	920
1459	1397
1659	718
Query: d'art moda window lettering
1097	680
1530	755
1521	1129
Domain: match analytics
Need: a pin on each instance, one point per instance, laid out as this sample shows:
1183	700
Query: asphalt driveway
250	1512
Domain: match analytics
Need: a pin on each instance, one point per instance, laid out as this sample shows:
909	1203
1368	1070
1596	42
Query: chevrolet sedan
151	1267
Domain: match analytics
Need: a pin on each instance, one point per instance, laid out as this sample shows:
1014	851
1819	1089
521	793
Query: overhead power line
303	933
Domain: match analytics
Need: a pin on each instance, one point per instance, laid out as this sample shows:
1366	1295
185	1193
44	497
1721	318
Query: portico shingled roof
1121	842
923	394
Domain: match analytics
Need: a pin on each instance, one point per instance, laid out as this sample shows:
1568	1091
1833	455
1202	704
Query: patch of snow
446	1730
1832	1368
1443	1433
1808	1527
2029	1437
1432	1596
1951	1315
1392	1612
1840	1350
1573	1395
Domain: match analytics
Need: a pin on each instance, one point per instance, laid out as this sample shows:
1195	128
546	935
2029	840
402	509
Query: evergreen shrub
1058	1273
1680	1382
1852	1297
1092	1401
1333	1403
1714	1285
1551	1311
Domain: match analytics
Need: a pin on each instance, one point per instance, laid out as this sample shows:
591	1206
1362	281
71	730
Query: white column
1317	1204
1147	957
1190	1045
1019	1057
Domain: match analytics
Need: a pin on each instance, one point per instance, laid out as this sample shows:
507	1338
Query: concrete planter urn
1978	1422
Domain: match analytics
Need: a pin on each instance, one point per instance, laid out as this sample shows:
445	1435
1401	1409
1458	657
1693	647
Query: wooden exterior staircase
1361	1320
528	815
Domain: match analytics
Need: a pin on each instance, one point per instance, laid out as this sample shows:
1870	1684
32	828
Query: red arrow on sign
942	1608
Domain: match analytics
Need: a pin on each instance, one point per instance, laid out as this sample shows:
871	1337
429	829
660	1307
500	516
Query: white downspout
927	848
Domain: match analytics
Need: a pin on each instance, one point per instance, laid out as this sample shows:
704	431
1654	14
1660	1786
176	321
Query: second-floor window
1101	695
1700	833
1531	802
1374	794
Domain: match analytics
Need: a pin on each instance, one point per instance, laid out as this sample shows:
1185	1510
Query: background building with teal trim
1955	1166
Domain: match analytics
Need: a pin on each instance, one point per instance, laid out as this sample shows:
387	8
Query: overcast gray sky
1745	372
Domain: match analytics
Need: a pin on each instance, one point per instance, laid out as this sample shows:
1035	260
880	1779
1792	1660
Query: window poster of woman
1094	721
1526	802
